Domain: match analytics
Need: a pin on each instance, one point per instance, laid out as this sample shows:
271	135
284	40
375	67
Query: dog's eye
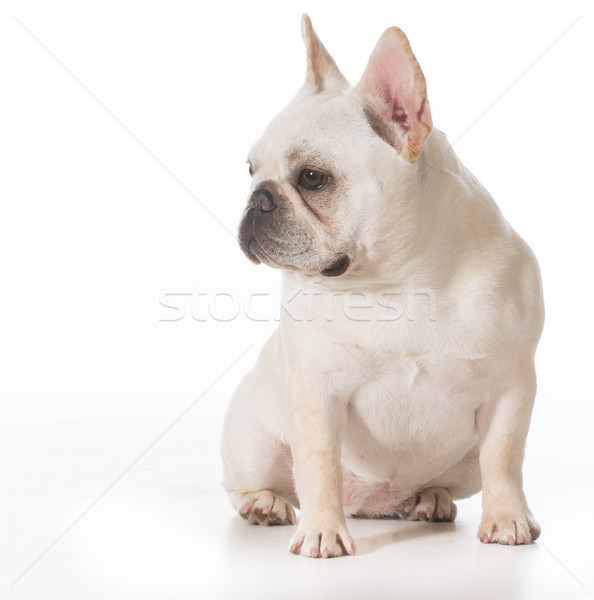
313	179
251	170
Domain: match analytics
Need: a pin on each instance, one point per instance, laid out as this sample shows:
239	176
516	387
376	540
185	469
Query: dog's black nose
262	200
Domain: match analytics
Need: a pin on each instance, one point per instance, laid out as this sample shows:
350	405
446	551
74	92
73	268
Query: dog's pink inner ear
393	86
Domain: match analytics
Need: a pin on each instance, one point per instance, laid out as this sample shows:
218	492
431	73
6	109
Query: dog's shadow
384	532
395	531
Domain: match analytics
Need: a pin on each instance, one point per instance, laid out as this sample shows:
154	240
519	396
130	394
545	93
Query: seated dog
401	376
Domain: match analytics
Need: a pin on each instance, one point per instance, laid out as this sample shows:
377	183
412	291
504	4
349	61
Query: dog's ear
395	95
322	72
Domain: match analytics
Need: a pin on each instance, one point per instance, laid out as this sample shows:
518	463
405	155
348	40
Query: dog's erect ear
395	95
322	72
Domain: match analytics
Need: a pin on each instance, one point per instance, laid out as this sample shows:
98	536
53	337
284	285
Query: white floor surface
134	509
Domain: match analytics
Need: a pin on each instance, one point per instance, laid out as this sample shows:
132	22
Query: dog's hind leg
431	504
263	507
257	462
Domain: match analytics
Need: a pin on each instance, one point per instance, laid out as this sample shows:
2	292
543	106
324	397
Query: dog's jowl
401	376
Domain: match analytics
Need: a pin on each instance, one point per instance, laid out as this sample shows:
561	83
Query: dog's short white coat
408	381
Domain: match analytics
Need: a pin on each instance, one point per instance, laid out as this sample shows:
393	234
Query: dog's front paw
432	504
505	528
266	508
322	541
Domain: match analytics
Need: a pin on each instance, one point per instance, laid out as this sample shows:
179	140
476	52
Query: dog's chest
410	388
411	416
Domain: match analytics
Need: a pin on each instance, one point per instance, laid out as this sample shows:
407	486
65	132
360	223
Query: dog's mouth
338	267
249	250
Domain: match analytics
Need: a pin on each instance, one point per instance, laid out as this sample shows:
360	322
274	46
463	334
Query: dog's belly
409	425
364	498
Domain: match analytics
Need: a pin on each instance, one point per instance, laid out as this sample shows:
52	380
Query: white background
124	130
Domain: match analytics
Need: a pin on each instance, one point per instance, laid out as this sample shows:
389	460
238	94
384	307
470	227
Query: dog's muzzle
270	234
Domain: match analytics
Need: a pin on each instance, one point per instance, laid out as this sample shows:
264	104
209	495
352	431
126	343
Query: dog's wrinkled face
301	205
320	169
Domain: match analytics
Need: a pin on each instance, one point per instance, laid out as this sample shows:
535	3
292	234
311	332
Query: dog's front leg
506	517
316	426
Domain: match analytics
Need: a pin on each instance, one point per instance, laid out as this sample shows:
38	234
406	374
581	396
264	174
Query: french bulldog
401	376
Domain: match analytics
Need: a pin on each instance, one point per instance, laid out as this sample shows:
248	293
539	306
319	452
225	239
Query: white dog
401	376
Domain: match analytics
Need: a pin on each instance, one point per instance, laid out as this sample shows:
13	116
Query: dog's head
329	165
